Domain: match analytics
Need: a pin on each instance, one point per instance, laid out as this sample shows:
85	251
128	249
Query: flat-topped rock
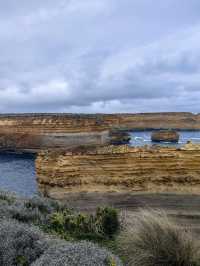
119	169
118	137
165	136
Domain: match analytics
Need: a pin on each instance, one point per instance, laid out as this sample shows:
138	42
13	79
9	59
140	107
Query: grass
153	240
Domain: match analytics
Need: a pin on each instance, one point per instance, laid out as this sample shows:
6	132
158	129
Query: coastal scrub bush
44	205
23	245
55	218
155	240
75	254
8	202
34	210
7	197
109	220
20	244
103	224
25	215
39	203
78	226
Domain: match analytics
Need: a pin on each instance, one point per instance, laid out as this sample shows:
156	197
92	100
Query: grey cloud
99	56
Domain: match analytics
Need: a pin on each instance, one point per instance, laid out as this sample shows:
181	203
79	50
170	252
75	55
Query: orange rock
56	131
119	169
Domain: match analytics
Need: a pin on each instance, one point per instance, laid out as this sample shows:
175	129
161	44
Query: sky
99	56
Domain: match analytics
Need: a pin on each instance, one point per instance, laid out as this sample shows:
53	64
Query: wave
139	138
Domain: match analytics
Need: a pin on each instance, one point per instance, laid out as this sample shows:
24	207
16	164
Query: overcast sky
99	55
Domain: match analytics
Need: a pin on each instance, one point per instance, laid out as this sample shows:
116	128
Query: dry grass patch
154	240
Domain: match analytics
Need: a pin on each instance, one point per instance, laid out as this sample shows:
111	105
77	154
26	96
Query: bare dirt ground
183	208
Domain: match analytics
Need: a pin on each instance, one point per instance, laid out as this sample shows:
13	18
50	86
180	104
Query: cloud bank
99	56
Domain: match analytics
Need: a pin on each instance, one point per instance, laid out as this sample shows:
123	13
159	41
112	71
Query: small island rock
119	137
165	136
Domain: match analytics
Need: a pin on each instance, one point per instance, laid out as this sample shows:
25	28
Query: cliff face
35	142
74	123
60	131
119	169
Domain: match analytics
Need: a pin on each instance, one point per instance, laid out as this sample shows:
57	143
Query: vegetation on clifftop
34	232
43	232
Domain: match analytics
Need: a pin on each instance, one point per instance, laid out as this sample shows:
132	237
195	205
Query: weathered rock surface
165	136
119	169
39	131
118	137
57	141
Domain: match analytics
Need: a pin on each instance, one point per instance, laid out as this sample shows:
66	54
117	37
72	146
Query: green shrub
109	220
71	224
104	224
57	222
155	240
21	260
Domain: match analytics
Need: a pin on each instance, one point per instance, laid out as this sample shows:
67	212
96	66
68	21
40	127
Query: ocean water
17	174
141	138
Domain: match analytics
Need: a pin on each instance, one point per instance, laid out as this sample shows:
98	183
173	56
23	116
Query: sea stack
118	137
165	136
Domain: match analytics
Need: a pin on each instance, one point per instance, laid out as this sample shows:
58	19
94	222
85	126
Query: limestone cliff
119	169
39	131
35	142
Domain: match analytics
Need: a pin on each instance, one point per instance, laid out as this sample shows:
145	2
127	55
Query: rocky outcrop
118	137
165	136
40	131
119	169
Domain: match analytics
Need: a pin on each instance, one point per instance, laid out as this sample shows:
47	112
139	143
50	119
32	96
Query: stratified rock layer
119	169
165	136
40	131
119	137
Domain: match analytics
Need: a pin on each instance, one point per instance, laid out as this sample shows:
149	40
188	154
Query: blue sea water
17	172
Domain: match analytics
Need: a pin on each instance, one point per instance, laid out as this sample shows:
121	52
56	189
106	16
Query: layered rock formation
34	142
165	136
119	169
40	131
118	137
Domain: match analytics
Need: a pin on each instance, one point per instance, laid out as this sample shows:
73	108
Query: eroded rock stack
118	137
165	136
